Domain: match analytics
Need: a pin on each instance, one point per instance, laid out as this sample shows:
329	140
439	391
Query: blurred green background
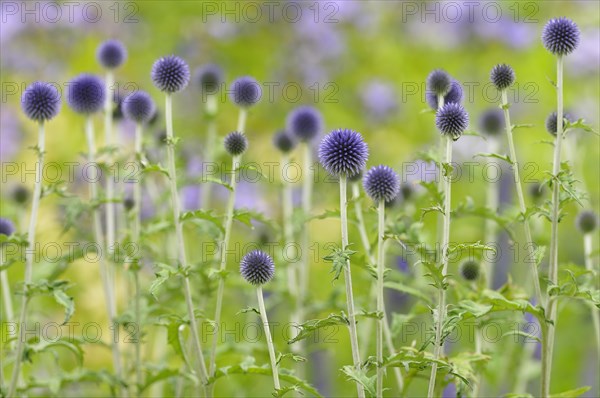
363	64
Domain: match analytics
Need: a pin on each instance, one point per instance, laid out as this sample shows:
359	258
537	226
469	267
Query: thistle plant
138	107
343	154
40	102
382	184
209	79
235	144
451	120
502	77
258	268
245	93
304	123
111	54
560	37
171	74
491	125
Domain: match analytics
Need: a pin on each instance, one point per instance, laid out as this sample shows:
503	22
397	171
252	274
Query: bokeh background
363	64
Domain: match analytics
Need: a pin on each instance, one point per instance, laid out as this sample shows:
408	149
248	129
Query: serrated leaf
206	215
340	259
360	376
312	325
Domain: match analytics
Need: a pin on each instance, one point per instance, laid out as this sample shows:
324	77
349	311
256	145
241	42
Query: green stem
521	198
348	280
490	225
270	345
29	254
110	187
553	277
441	149
307	187
380	309
202	373
235	164
137	200
587	252
441	309
367	325
209	152
6	295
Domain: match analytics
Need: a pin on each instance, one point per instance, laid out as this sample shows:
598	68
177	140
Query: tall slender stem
587	252
29	256
441	309
235	163
490	225
137	200
521	199
270	345
209	150
303	274
242	116
110	184
553	276
6	295
366	329
202	373
441	150
380	309
348	280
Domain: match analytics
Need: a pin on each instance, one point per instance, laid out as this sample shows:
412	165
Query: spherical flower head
86	94
469	270
170	74
139	107
343	152
502	76
551	122
209	78
381	183
536	190
439	82
452	119
284	141
455	95
587	221
20	194
111	54
6	227
128	203
40	101
492	122
235	143
257	267
245	91
560	36
305	123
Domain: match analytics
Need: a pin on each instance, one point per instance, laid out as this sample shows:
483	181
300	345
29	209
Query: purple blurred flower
190	197
379	99
10	135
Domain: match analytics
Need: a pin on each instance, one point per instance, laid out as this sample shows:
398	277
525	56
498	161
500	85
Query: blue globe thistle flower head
284	141
552	124
492	122
439	82
235	143
209	78
139	107
86	94
20	194
381	183
6	227
452	119
305	122
407	190
170	74
111	54
587	221
454	95
40	101
257	267
469	270
502	76
560	36
343	152
245	91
